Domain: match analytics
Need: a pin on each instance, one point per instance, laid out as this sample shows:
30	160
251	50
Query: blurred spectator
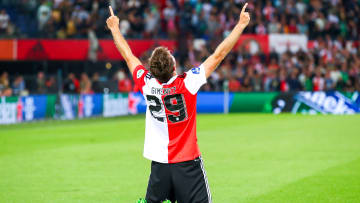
269	11
260	28
151	22
136	24
124	83
40	83
234	85
81	18
18	86
274	26
85	84
169	15
293	27
7	92
124	27
43	14
284	86
71	84
340	84
273	66
329	82
4	22
302	27
271	83
246	86
51	85
96	86
318	81
4	81
293	81
308	82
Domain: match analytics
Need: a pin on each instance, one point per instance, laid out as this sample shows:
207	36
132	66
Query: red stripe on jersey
182	130
138	76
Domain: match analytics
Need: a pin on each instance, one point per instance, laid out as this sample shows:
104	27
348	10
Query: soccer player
177	169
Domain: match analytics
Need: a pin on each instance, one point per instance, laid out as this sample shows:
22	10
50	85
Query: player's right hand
113	21
244	16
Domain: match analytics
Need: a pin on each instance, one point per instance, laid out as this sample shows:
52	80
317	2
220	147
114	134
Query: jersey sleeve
139	75
194	79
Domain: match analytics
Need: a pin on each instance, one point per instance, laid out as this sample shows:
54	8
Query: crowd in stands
332	64
72	84
17	86
327	67
173	19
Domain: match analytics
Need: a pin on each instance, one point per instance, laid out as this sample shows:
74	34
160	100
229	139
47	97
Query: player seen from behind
177	169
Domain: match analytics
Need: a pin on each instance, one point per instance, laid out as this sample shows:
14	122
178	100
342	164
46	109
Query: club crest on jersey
196	70
139	73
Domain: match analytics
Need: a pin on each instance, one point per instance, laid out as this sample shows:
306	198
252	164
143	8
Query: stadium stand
332	61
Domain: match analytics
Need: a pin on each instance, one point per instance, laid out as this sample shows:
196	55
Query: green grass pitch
248	158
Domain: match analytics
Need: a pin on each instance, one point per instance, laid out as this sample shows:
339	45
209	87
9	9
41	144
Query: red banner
78	49
43	49
52	49
108	51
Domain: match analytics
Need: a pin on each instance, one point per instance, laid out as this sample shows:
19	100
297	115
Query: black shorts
184	182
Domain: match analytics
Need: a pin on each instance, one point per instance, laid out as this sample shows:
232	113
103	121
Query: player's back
170	135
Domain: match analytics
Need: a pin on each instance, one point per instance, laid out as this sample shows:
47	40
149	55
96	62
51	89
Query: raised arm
121	44
211	63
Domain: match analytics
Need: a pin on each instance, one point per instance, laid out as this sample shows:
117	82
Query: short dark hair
161	64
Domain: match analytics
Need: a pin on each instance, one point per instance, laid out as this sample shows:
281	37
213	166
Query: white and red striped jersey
170	134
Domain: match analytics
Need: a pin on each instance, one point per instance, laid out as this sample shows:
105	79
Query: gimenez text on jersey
163	91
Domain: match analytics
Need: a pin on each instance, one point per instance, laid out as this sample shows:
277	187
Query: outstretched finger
111	11
243	9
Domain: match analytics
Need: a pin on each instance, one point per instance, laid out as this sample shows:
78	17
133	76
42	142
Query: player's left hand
244	16
113	21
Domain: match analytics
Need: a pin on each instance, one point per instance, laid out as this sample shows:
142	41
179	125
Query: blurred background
62	49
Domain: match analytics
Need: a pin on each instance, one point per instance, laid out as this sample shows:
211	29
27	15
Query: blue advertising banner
90	105
33	107
354	96
69	106
327	102
115	104
211	102
317	103
137	103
